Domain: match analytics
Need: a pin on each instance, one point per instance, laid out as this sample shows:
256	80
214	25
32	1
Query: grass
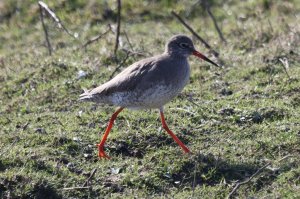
234	120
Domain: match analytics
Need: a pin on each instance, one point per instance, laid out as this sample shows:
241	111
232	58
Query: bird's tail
86	96
94	95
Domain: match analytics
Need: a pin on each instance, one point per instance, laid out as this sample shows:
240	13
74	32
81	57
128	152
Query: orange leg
109	126
165	126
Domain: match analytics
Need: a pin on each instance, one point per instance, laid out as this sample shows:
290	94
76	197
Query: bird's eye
183	45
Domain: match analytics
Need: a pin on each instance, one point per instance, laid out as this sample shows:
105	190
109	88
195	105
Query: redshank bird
148	84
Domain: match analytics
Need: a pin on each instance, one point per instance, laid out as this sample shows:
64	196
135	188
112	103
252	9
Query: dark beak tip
218	65
198	54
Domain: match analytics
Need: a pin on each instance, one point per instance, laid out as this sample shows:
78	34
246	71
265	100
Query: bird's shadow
197	169
137	145
207	169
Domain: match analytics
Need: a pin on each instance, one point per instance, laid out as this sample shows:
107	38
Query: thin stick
285	65
96	38
216	54
190	99
45	29
214	20
194	178
247	180
127	38
134	52
270	24
90	177
72	188
119	66
118	27
254	175
11	145
55	18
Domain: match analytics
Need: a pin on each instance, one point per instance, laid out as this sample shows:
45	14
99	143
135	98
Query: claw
101	153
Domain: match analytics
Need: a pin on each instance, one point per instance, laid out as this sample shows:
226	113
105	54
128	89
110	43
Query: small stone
257	117
80	113
226	92
76	139
86	155
115	170
81	74
227	111
40	131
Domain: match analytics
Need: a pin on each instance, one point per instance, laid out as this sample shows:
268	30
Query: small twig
11	145
120	65
90	177
45	29
216	54
190	99
2	64
254	175
270	24
194	177
184	110
207	7
118	27
72	188
96	38
285	65
55	18
247	180
134	52
130	45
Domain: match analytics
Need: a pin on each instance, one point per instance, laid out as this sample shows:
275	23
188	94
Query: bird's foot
101	153
185	149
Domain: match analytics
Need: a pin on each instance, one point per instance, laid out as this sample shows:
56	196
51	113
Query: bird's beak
196	53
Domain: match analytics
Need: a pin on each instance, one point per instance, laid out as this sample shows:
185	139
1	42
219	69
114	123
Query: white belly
155	97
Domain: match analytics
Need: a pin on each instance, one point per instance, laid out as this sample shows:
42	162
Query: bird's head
182	46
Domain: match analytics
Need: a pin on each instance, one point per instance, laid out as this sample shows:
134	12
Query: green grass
234	120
